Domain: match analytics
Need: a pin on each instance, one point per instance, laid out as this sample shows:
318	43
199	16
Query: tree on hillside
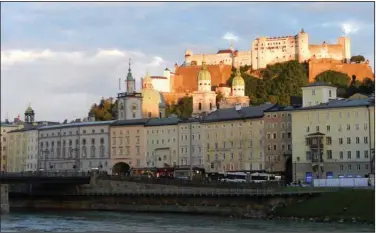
183	108
338	79
357	59
104	111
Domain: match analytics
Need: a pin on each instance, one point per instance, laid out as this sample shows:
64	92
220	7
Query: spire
302	31
129	75
203	67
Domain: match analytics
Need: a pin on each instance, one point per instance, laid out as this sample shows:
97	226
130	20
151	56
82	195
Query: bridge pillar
4	198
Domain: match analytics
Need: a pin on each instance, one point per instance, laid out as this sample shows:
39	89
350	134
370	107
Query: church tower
29	115
130	102
204	98
238	84
131	84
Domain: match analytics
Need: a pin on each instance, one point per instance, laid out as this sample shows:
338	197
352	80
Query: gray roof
228	114
8	124
163	121
81	124
319	84
130	122
342	103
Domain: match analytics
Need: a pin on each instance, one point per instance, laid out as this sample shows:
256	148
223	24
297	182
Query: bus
263	177
233	177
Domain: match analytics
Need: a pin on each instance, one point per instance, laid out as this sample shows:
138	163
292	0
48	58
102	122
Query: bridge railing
194	183
43	174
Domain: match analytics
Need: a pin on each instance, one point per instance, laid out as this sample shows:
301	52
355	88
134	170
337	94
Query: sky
62	57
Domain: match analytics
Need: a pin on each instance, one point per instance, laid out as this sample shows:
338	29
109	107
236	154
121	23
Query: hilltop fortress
182	81
271	50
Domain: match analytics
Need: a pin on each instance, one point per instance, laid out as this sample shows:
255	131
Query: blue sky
41	41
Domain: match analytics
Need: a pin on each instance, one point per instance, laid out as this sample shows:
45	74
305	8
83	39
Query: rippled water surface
136	222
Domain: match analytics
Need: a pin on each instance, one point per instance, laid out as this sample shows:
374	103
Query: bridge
76	178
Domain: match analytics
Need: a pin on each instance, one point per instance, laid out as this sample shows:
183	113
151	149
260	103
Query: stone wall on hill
360	70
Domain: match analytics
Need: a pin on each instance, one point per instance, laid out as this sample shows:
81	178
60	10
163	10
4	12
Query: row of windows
349	167
329	155
231	144
271	136
240	157
185	149
340	115
348	127
283	147
70	133
127	141
70	142
162	141
69	152
161	131
314	141
121	132
120	150
239	124
275	125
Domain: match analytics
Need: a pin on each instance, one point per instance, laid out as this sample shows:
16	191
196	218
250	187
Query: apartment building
190	143
5	128
334	138
128	142
162	142
233	139
278	139
75	147
16	151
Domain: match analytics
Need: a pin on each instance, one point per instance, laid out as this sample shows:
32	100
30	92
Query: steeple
29	115
129	75
131	85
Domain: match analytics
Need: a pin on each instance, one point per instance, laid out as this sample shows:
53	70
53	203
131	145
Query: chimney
238	107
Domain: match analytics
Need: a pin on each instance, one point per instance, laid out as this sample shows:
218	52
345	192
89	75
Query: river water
137	222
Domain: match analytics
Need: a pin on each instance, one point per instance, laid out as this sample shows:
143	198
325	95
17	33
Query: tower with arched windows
204	99
129	102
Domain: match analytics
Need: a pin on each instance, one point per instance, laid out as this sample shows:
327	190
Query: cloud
348	27
230	37
63	85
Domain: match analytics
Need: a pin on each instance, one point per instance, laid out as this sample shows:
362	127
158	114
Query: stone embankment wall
253	207
113	187
4	198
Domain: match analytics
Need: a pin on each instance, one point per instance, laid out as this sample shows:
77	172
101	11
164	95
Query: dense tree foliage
105	110
357	59
277	84
347	86
183	108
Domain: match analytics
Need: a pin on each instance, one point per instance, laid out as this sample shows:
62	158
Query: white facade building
190	144
32	149
76	146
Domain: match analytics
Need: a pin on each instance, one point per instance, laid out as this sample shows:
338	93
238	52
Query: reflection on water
137	222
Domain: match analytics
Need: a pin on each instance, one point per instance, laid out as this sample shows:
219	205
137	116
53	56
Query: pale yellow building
5	128
233	139
333	138
128	142
162	142
190	143
17	151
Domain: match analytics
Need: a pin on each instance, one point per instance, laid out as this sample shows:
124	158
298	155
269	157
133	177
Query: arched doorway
120	168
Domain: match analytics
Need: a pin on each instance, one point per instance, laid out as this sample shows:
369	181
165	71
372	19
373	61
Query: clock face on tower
134	107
